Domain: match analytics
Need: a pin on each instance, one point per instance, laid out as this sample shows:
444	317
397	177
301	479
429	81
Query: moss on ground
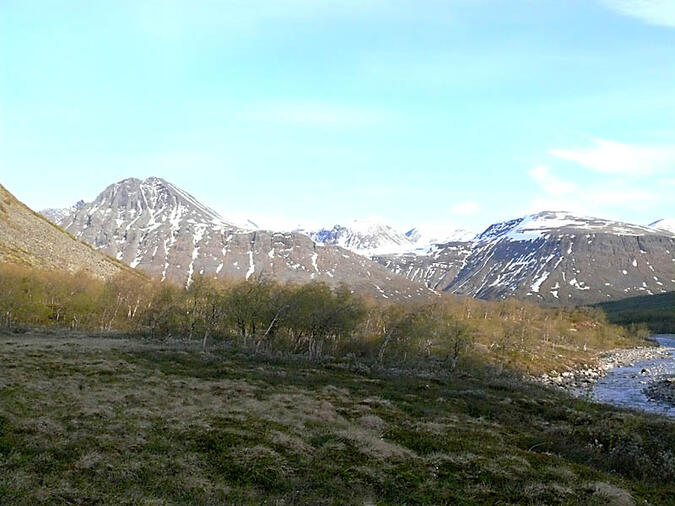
102	421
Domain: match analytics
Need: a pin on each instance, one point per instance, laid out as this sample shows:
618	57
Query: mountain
436	266
552	257
161	229
365	237
664	224
425	238
373	238
27	238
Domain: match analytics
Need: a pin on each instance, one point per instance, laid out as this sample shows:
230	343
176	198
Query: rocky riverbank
579	381
662	390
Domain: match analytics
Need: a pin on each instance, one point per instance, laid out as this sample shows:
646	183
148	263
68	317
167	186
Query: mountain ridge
157	227
539	256
551	257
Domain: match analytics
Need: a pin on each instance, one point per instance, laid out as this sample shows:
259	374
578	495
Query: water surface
622	386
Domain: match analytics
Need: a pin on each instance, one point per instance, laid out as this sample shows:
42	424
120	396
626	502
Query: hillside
26	238
657	312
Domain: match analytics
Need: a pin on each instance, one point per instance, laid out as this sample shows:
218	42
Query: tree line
313	319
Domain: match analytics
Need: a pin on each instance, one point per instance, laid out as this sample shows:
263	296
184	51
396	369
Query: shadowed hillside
657	312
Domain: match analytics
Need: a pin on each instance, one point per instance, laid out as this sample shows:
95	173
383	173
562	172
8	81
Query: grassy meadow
97	420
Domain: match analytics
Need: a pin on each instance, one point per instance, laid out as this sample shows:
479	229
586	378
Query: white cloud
611	157
576	206
655	12
465	208
550	183
599	200
313	114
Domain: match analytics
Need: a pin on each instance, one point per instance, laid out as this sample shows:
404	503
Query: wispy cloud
611	157
604	199
655	12
313	114
550	183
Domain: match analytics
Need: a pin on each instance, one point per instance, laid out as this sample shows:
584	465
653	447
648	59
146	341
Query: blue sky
443	112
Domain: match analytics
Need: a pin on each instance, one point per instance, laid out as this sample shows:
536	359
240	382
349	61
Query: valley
555	258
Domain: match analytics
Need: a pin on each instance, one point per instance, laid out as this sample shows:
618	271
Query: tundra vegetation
313	320
656	312
255	392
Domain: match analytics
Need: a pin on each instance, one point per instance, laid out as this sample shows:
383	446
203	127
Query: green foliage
653	312
313	320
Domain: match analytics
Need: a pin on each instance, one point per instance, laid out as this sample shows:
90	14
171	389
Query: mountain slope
437	267
554	258
27	238
157	227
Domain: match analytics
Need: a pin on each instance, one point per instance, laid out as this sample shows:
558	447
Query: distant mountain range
28	239
373	237
552	257
161	229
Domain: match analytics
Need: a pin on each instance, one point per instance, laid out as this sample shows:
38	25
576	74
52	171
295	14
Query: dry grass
113	421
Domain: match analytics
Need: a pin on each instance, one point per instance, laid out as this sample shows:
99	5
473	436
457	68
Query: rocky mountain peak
156	226
149	202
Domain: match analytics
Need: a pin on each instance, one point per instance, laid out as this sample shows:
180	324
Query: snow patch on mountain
541	225
667	224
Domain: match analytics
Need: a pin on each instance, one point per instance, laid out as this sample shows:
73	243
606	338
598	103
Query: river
623	386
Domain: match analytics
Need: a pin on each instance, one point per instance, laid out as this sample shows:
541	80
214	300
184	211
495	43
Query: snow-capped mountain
554	257
365	237
542	224
159	228
664	224
426	237
373	238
